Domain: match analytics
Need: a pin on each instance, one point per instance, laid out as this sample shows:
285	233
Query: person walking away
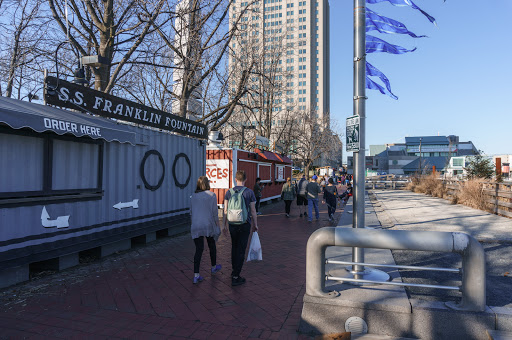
322	182
288	193
312	191
240	217
302	200
258	187
204	224
330	194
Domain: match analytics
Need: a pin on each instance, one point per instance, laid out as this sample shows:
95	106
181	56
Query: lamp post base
369	274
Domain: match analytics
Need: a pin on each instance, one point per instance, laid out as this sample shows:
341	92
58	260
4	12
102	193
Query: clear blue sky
458	81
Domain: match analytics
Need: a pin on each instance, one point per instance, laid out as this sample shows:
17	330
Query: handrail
473	256
450	270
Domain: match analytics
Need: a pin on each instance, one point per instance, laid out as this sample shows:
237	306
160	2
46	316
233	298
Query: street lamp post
244	127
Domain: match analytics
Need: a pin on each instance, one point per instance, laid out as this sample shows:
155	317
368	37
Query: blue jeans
313	202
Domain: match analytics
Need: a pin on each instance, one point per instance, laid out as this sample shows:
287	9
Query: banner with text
217	171
65	94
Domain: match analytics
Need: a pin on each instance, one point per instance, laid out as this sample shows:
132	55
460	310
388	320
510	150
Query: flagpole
359	110
359	271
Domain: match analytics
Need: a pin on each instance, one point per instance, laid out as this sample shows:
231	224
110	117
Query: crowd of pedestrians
241	208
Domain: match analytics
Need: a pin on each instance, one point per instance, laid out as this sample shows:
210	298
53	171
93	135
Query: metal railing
392	184
472	253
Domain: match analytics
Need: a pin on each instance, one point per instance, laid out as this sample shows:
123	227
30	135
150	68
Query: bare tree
266	103
199	49
22	37
113	30
314	140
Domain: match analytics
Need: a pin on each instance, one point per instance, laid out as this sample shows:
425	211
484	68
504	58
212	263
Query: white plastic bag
255	248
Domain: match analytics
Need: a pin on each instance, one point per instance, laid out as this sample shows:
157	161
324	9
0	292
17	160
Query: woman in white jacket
204	223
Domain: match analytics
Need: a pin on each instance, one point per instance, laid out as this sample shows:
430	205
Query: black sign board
65	94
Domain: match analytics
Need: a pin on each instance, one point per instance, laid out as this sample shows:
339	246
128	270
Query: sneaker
258	213
238	281
216	268
198	279
287	215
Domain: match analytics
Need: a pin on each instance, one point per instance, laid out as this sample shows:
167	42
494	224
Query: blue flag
405	3
374	44
377	22
370	84
372	71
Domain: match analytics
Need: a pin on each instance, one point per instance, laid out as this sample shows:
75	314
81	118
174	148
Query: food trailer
72	181
223	163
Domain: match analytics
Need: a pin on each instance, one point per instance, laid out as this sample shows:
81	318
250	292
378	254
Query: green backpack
237	210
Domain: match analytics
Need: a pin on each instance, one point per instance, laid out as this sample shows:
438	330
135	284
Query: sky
457	82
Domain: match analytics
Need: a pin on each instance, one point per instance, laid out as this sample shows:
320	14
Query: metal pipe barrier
472	253
393	184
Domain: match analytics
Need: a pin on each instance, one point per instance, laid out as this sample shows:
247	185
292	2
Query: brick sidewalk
147	292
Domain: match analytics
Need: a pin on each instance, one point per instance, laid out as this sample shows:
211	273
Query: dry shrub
415	181
428	184
471	193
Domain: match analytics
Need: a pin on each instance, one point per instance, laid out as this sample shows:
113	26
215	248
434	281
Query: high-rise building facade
284	46
186	42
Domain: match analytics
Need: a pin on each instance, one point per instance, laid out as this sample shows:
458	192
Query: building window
458	162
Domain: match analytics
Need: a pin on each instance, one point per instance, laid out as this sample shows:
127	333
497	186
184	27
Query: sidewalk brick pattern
147	292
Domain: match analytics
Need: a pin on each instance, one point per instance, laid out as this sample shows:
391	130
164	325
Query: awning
284	159
20	114
271	156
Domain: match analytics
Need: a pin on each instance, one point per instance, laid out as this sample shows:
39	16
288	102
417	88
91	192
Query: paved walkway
405	210
410	211
147	293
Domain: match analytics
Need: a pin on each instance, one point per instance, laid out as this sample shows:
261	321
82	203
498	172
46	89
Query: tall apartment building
285	45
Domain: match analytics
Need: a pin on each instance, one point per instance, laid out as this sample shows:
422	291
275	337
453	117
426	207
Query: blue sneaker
198	279
216	268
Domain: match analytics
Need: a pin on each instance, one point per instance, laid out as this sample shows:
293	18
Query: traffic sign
352	134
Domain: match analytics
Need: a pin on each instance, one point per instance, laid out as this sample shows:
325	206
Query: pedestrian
347	193
288	193
240	231
302	200
204	224
312	191
330	195
323	181
258	187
